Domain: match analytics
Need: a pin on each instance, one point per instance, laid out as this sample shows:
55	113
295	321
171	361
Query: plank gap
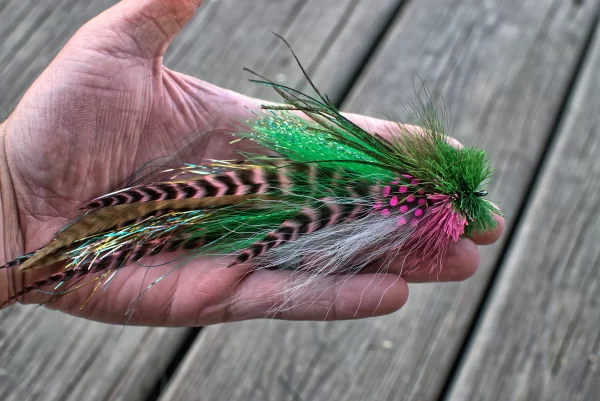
379	39
3	5
163	380
330	40
521	210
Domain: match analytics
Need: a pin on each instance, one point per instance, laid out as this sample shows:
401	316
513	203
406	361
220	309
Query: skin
105	106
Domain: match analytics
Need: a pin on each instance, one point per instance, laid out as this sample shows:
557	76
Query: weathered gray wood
540	338
331	40
32	33
52	356
504	68
48	355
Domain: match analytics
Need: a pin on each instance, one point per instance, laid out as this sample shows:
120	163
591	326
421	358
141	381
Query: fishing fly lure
336	199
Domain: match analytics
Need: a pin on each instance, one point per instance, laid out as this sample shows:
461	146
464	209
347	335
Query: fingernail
454	143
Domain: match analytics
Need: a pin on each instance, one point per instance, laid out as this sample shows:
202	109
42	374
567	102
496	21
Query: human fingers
387	129
205	291
491	236
461	262
287	295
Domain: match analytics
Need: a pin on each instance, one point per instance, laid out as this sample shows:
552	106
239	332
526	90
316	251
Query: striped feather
327	212
111	218
232	183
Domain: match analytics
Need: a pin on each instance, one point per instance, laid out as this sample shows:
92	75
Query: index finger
387	129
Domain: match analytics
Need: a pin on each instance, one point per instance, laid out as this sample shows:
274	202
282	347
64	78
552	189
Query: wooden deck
522	79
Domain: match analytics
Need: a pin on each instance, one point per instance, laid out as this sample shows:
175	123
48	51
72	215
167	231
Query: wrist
11	239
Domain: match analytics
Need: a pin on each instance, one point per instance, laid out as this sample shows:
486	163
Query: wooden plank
504	68
331	41
49	355
539	338
32	33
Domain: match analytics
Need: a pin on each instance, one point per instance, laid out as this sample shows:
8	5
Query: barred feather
115	217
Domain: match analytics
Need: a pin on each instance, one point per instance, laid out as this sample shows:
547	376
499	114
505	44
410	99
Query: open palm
102	109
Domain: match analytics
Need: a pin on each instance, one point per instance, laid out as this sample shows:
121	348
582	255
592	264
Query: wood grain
331	40
32	34
540	336
51	356
504	68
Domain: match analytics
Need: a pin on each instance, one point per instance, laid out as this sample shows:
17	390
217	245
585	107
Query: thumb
139	28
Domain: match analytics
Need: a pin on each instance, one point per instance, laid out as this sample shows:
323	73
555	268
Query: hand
105	106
